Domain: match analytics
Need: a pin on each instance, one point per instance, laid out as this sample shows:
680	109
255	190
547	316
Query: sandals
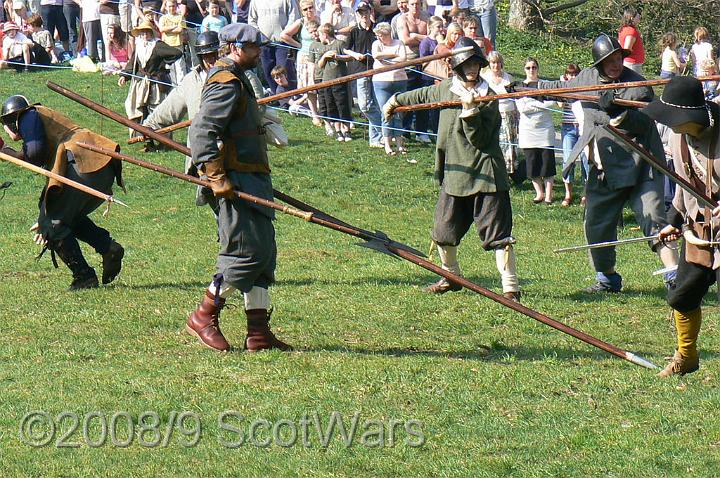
538	200
567	201
389	152
402	150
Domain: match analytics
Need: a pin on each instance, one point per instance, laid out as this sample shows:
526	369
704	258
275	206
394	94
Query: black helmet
464	42
12	106
207	42
604	46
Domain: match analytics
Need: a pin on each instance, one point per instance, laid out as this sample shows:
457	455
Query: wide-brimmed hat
10	26
682	101
143	26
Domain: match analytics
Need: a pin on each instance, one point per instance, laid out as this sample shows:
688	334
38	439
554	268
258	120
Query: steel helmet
207	42
458	59
604	46
12	106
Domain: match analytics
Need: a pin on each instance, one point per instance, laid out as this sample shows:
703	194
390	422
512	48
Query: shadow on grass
164	285
582	296
484	353
491	283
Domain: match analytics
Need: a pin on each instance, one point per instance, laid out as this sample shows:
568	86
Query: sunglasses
307	9
531	67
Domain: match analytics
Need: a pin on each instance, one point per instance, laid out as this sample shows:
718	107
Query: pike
402	253
180	148
69	182
662	167
545	92
599	245
323	84
377	241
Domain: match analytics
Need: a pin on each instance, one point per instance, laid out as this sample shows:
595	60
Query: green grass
496	393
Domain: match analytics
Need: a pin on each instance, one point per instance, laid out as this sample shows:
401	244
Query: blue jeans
570	135
488	24
666	75
369	107
383	91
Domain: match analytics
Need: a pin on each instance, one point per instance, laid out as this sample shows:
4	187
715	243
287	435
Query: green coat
468	158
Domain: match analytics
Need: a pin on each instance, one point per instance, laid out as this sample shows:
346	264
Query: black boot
68	250
112	262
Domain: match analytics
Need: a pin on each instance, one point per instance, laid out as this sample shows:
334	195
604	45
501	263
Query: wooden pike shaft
617	101
321	85
408	256
362	74
545	92
686	185
180	148
165	130
517	307
62	179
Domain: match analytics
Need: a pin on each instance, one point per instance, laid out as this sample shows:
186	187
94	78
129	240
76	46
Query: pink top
119	54
637	52
397	47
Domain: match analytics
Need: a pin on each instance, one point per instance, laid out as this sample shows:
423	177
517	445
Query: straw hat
143	26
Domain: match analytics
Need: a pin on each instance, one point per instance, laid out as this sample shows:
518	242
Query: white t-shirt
700	51
14	45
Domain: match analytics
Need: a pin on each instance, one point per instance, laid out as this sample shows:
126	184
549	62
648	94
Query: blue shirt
32	132
213	24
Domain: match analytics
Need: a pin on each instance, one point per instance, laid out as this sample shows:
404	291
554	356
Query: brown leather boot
204	323
680	365
259	336
442	286
514	296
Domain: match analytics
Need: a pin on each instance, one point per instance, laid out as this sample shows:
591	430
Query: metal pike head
381	241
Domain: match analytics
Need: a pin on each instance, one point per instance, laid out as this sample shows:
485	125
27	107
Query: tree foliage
586	19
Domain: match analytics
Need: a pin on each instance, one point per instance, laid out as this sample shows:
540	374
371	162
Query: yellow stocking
688	328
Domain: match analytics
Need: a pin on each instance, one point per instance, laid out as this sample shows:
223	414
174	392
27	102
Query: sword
599	245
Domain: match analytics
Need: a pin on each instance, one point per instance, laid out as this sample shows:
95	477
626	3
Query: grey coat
622	168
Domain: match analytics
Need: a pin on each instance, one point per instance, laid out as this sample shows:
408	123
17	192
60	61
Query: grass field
482	390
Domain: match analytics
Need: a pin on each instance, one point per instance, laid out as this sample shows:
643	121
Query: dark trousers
54	19
491	213
270	57
72	17
691	284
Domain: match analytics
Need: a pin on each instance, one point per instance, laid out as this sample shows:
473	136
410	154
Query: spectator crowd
152	44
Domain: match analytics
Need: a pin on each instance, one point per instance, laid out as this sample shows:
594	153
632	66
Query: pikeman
694	144
49	141
617	175
469	168
229	114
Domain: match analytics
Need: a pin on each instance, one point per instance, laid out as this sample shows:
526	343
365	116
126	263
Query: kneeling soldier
49	141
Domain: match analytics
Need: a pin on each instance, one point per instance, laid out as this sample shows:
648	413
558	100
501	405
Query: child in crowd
671	64
42	37
333	102
214	21
701	49
172	27
118	49
16	48
470	27
296	104
708	67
